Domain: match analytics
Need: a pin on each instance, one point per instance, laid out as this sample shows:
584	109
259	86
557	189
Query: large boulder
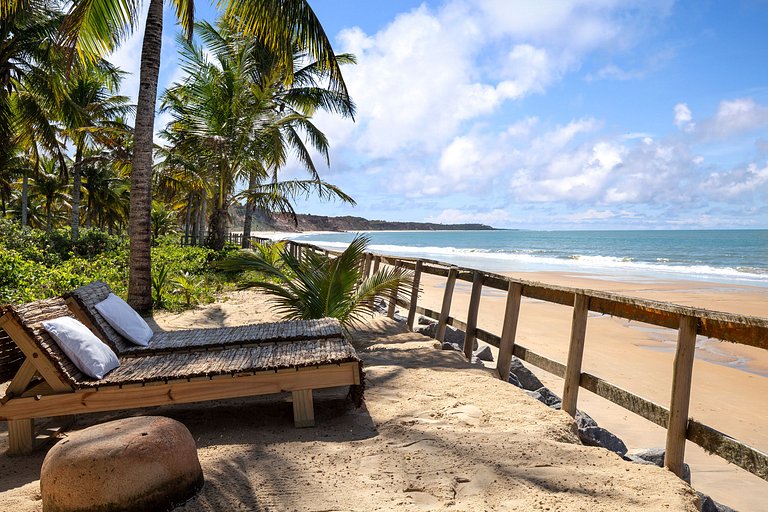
525	377
484	354
454	335
132	464
547	397
427	329
598	436
656	456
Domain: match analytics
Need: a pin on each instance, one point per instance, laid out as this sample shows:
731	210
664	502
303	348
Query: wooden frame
39	391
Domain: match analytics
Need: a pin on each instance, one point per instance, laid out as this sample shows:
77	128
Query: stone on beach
484	354
131	464
525	377
598	436
546	396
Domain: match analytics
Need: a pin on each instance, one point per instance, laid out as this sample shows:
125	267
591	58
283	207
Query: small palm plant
318	286
189	286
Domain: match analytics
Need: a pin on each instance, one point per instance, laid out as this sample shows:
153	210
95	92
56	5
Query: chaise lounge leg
21	436
303	409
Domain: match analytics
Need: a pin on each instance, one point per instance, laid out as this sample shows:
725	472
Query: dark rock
425	320
450	346
513	380
584	420
710	505
429	330
652	455
598	436
399	318
525	377
484	354
656	456
547	397
453	335
380	305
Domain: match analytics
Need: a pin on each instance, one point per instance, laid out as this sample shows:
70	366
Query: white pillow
125	320
88	352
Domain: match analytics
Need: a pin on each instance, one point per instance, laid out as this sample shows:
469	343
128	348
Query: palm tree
95	27
50	188
91	113
318	286
228	115
31	66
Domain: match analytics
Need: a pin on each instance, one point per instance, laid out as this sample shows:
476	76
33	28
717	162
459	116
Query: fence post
376	263
445	310
414	294
681	395
474	307
575	353
367	265
392	299
509	330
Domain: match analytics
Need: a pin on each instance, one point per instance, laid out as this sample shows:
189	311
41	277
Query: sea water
722	256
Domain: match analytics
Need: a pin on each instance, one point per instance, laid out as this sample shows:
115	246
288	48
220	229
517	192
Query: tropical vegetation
72	167
316	285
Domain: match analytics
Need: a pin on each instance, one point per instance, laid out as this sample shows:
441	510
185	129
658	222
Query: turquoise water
723	256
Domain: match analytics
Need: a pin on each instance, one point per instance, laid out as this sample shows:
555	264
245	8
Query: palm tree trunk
250	206
201	219
188	219
139	223
76	184
24	198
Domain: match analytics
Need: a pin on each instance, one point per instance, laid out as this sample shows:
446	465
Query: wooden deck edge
114	397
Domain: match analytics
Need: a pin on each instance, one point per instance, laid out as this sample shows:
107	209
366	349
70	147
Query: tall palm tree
91	113
229	116
94	27
31	67
49	187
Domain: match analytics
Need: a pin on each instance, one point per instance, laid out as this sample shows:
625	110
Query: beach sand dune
435	433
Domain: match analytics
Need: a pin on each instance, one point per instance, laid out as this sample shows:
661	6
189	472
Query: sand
729	380
435	433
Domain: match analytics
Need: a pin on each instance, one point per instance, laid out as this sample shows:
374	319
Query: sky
542	114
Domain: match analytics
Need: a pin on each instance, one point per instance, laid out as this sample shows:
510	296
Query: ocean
720	256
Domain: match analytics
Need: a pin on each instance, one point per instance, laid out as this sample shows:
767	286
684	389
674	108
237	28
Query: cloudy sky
544	114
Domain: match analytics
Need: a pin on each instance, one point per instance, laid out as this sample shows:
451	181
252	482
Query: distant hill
265	222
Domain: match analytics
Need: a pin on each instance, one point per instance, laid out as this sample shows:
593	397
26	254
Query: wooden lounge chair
46	383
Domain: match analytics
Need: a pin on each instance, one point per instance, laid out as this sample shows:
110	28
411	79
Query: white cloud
496	217
735	117
683	117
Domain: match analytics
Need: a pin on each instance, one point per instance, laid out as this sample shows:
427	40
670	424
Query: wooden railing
689	322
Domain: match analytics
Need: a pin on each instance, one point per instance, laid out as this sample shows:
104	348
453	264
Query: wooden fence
689	322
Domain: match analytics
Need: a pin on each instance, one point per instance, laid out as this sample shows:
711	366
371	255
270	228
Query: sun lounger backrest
86	298
11	357
29	317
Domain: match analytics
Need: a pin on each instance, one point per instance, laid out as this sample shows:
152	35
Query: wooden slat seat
83	302
197	365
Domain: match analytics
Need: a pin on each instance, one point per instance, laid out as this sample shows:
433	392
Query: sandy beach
435	433
729	380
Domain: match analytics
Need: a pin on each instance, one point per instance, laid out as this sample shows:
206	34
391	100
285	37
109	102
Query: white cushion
125	320
88	352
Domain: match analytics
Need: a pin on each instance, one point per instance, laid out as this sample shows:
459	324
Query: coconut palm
318	286
48	186
91	113
238	122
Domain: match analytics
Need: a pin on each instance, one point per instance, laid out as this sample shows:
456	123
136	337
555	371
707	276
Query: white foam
500	260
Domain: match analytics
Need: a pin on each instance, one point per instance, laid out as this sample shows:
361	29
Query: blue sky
559	114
